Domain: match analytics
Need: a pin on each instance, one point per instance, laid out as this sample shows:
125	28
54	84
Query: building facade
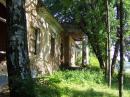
43	36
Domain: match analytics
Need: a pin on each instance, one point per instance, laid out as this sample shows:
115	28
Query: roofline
58	25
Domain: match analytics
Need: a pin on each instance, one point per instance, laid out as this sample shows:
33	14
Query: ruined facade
68	57
75	45
50	44
44	38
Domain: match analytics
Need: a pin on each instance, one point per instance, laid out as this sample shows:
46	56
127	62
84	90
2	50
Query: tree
117	44
108	44
126	28
19	75
116	50
121	71
87	14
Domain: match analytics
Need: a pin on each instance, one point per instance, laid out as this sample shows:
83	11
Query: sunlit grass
79	83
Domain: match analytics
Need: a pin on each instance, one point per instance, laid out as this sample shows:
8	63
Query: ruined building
50	44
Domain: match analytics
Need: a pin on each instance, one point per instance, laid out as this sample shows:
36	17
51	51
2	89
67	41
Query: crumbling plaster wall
42	62
37	17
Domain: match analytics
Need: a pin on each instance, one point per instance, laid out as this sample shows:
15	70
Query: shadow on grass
50	91
127	82
93	68
115	82
49	88
46	89
53	90
91	93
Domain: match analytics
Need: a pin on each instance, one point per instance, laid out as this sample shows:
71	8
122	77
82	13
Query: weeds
78	83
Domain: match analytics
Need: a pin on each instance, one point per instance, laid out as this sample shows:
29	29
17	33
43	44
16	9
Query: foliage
93	60
127	24
90	15
79	60
87	14
83	83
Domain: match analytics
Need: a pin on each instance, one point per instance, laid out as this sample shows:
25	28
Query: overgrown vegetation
93	61
79	83
91	16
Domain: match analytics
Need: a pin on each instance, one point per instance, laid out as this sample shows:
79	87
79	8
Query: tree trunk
108	43
94	43
121	71
117	45
19	76
98	54
106	61
109	62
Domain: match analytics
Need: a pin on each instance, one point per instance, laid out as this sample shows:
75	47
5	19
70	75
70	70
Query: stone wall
69	50
72	51
44	39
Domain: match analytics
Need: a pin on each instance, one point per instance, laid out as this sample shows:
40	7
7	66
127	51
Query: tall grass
78	83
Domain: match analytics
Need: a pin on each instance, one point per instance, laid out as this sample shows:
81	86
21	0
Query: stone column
85	59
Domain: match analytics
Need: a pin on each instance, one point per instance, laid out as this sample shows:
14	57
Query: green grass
93	60
79	83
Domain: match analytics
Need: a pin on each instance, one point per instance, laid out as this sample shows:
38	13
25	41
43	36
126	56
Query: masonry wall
43	42
69	50
72	51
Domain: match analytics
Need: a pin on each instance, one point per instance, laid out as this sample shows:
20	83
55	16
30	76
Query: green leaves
91	13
